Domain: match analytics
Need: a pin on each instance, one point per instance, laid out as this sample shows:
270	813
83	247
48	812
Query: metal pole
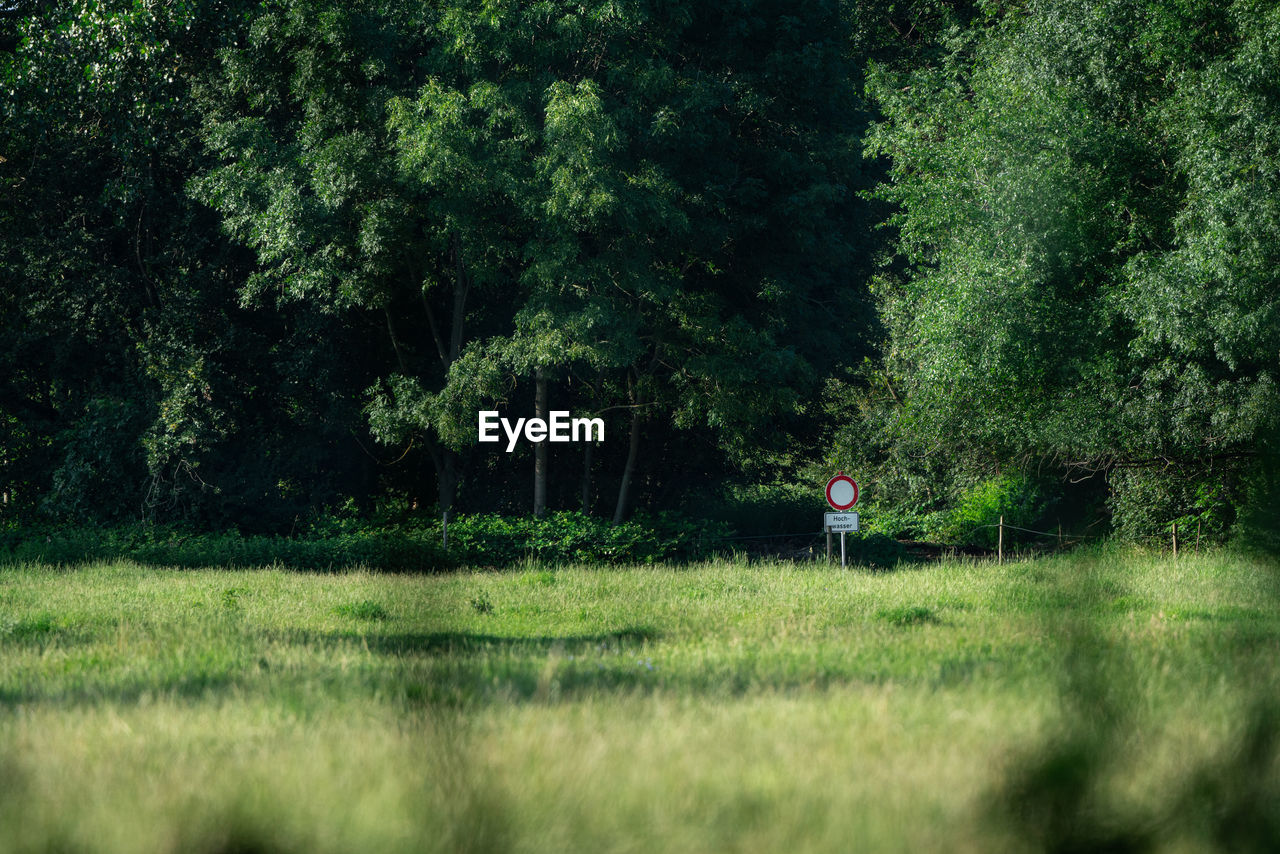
828	545
444	527
842	560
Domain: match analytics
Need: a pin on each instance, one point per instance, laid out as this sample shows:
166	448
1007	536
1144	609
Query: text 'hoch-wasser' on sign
560	427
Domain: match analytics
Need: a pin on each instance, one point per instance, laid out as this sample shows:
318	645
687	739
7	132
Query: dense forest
264	262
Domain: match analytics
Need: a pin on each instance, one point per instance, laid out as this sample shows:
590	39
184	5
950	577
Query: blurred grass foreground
1105	700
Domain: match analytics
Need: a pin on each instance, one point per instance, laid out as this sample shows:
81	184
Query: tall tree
297	115
135	381
679	184
97	253
1078	187
660	196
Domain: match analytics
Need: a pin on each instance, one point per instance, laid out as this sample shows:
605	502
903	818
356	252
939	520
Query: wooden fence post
1175	540
1000	543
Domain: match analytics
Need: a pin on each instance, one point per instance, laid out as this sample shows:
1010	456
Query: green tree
297	116
1086	278
91	237
135	382
657	198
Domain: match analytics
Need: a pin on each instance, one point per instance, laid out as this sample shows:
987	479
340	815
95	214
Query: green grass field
1101	699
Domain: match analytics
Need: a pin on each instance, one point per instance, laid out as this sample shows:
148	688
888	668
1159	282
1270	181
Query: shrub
1016	497
485	540
874	549
766	508
1145	503
571	537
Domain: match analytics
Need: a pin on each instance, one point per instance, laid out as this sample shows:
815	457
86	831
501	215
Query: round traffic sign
842	491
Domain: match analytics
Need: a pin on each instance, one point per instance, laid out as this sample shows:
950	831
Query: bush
406	550
971	522
484	540
761	509
572	537
874	549
1145	503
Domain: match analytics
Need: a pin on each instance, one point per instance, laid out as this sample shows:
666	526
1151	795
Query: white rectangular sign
837	522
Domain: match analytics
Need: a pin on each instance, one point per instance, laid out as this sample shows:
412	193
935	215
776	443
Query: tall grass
1106	699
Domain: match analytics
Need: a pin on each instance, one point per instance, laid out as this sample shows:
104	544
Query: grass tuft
365	609
914	615
32	628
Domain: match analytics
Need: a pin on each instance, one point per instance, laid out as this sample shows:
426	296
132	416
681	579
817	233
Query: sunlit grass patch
719	706
365	609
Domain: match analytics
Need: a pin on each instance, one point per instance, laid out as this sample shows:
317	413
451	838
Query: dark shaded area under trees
263	262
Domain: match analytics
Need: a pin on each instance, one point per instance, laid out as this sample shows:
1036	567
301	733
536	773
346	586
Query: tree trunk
395	341
586	477
540	448
461	285
448	473
448	464
623	508
447	480
451	470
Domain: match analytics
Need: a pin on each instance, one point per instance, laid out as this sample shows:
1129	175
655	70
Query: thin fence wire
1065	539
1065	536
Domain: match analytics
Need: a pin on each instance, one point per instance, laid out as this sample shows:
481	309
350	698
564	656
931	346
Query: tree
657	198
297	115
136	384
92	235
1067	205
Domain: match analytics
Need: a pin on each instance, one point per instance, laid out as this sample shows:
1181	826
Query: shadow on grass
434	667
1060	795
460	669
470	670
464	643
185	686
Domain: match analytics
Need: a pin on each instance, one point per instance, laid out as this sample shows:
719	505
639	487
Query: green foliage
487	540
330	545
657	226
1146	503
869	548
365	609
765	508
405	551
1084	276
908	615
135	384
247	243
1016	497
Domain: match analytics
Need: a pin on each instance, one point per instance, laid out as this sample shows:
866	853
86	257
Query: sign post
842	493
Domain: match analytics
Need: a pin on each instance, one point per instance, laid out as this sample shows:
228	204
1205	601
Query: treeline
1086	209
265	261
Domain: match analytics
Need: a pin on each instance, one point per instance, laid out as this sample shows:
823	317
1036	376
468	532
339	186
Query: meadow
1107	699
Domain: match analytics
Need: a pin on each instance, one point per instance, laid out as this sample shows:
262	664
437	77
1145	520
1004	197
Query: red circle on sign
842	491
